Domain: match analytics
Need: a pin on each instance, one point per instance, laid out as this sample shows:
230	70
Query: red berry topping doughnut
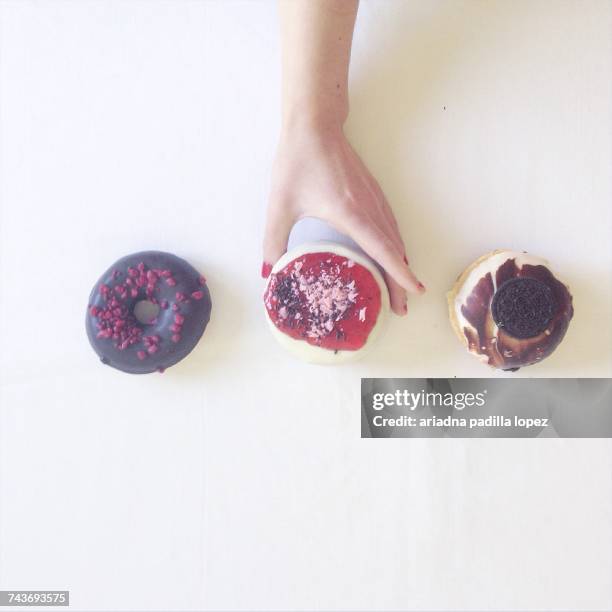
325	303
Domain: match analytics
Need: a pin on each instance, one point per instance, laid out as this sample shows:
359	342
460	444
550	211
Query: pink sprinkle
328	298
197	295
165	273
141	355
176	338
152	349
170	282
93	311
180	297
179	319
175	307
175	328
163	304
202	280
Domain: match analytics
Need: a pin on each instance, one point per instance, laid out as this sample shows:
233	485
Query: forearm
316	37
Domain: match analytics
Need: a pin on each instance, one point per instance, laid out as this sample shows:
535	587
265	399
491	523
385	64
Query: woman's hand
318	174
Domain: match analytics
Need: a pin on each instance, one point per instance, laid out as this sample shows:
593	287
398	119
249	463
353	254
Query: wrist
325	113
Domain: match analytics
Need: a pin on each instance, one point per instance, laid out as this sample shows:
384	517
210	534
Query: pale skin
317	173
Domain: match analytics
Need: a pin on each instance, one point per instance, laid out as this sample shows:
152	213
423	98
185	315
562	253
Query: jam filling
324	299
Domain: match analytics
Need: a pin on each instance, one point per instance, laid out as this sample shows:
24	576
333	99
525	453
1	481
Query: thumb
278	226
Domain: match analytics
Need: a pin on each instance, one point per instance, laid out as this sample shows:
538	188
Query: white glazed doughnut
326	303
509	309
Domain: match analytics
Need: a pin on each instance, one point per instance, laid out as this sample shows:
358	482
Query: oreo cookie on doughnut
325	302
509	309
147	312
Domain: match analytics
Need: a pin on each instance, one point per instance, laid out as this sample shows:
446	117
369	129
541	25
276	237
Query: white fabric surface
237	480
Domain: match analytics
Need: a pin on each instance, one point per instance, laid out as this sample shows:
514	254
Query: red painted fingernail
421	286
266	268
406	260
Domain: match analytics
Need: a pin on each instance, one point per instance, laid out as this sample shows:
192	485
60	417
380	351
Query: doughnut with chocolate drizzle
509	309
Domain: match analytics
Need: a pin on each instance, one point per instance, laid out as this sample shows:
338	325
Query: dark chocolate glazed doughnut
170	286
509	309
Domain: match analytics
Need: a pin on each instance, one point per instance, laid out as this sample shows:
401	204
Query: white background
237	480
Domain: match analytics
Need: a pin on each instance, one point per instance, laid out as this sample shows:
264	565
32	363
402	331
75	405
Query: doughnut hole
146	312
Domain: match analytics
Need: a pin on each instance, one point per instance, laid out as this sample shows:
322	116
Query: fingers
381	247
397	296
390	221
278	226
389	224
397	293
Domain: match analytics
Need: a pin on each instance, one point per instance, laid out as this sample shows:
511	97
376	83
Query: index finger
381	248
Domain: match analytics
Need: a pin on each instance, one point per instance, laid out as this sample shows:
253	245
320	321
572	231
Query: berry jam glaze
174	286
327	300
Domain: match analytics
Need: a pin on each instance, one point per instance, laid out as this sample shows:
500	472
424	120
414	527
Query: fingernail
406	260
421	286
266	268
405	308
